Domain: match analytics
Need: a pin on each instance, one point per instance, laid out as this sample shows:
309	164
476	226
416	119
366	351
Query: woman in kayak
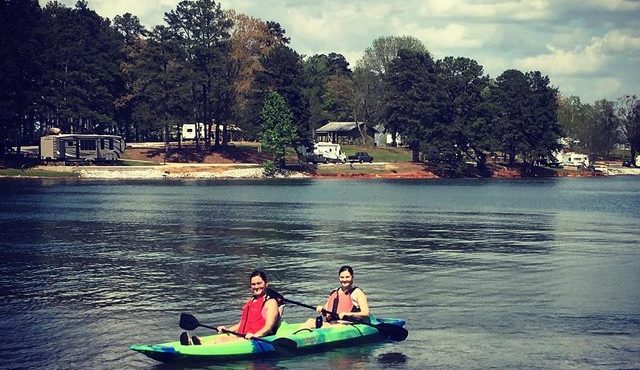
260	315
345	301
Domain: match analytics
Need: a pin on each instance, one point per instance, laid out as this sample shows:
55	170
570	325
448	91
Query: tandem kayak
305	340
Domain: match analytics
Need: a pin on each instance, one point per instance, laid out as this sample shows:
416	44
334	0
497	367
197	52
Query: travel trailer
234	133
81	148
323	153
189	131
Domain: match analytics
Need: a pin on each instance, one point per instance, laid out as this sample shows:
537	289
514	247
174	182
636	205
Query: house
346	133
383	138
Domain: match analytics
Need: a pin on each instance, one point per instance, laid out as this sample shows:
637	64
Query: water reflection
475	267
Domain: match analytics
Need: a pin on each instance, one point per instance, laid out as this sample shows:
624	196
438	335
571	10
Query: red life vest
254	316
336	305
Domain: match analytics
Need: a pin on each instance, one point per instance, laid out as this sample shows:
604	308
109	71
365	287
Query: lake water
488	273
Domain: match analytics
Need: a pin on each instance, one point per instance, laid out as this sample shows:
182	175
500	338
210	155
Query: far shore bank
245	161
404	170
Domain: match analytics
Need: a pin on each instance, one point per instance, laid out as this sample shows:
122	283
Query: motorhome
81	148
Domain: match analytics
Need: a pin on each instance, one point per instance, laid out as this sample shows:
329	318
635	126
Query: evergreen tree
82	54
465	112
133	41
283	73
413	98
629	113
21	35
278	129
602	135
202	30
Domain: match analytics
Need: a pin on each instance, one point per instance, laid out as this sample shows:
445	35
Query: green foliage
379	56
464	114
283	73
269	168
628	108
602	135
326	77
413	98
20	46
201	30
369	74
278	129
379	153
525	114
446	160
82	80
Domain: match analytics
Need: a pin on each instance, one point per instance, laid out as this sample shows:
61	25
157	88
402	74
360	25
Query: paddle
393	332
189	322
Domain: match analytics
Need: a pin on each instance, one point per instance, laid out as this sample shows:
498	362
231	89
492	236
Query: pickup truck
360	157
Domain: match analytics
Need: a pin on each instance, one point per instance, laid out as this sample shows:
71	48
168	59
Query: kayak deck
306	340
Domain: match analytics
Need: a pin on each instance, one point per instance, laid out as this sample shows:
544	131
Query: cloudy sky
588	48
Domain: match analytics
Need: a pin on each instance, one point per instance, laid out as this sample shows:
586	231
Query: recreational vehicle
189	131
323	153
572	159
81	148
234	133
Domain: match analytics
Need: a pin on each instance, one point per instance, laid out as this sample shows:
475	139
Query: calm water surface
487	273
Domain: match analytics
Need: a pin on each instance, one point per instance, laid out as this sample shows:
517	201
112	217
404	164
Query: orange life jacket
336	305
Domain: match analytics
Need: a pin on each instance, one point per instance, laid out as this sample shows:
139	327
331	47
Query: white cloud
514	10
620	40
613	5
567	62
451	36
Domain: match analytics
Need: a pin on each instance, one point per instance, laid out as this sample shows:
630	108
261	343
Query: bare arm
361	299
231	328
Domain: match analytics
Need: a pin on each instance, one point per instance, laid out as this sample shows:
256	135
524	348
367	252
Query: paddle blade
393	332
275	295
188	321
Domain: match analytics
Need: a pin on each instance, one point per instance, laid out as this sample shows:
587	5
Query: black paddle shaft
391	331
189	322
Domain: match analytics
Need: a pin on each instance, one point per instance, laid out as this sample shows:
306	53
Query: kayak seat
184	338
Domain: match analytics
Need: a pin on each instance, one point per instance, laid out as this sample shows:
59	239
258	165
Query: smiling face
258	286
346	279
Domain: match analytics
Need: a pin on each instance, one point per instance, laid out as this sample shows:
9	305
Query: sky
588	48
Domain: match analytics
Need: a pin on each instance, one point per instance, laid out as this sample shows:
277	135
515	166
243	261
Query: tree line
73	69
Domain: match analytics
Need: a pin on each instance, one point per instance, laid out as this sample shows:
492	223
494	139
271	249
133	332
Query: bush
269	168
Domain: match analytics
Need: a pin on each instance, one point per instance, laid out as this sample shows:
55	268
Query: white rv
572	159
189	131
81	147
323	153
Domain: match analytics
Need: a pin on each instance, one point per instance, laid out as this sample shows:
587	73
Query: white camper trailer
323	153
234	133
81	148
189	131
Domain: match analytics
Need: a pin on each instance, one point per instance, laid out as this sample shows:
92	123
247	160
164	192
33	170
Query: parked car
360	157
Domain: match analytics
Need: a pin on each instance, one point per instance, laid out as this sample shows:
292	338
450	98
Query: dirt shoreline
196	171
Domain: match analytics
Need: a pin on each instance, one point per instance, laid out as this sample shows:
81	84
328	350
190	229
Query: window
88	144
71	143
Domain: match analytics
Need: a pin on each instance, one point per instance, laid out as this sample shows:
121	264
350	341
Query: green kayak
295	340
